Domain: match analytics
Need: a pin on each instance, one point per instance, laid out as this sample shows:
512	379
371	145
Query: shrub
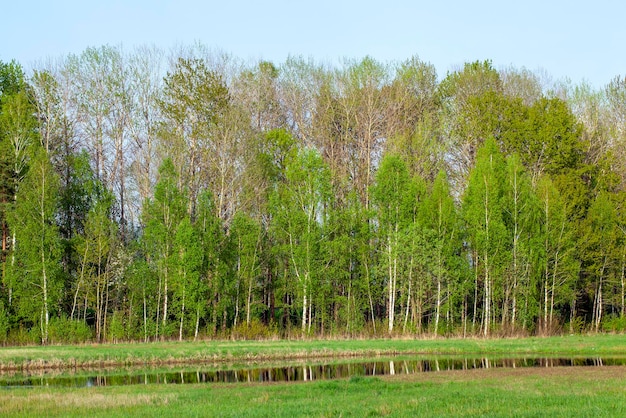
576	325
614	323
255	331
116	328
24	336
4	323
63	330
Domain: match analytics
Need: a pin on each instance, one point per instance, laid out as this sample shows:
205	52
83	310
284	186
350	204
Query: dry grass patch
11	403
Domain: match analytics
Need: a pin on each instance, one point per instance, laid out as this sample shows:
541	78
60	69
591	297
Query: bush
63	330
4	323
255	331
576	325
614	323
116	328
24	336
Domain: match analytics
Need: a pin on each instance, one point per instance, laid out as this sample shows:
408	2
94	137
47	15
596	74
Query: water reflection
299	372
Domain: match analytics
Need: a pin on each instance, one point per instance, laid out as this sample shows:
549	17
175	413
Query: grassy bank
17	358
564	392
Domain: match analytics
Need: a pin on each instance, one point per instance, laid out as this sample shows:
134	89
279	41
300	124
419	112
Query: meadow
495	392
558	391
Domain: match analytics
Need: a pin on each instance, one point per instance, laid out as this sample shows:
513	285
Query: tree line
147	195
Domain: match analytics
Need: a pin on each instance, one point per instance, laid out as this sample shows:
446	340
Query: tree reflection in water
296	372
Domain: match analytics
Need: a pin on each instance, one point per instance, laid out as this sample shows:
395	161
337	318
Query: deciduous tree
162	216
299	215
35	273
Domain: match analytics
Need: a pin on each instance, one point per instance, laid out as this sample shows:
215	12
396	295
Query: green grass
563	392
567	391
96	355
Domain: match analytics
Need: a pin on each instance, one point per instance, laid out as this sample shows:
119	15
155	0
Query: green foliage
523	217
246	235
116	331
142	283
36	270
439	213
600	235
298	207
194	99
394	195
210	94
12	78
94	251
18	137
444	234
366	73
276	149
494	115
162	216
78	195
614	323
560	264
4	323
346	200
215	268
469	97
188	290
483	211
483	200
554	144
67	331
475	78
255	330
602	254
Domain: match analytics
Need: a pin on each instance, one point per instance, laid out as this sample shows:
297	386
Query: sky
575	40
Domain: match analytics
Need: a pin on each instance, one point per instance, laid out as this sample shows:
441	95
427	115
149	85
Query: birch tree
359	118
215	269
162	215
439	214
456	91
601	259
615	93
17	138
522	213
560	264
299	210
37	246
95	248
187	275
393	199
247	237
145	86
483	213
194	96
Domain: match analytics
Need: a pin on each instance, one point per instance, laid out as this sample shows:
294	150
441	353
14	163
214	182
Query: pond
294	372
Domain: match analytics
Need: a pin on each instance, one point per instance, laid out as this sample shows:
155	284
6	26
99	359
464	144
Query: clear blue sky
582	40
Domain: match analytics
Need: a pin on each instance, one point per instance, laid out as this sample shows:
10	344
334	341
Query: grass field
96	355
560	391
565	392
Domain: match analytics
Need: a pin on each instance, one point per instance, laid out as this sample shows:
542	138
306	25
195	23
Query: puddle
294	372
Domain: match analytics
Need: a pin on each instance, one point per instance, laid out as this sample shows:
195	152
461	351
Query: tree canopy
152	197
